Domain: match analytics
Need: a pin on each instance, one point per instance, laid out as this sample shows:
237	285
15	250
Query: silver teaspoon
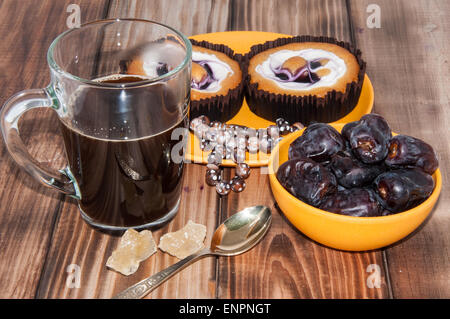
235	236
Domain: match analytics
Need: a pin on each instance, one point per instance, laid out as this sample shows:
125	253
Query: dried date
407	152
358	202
318	142
369	139
307	180
402	189
350	172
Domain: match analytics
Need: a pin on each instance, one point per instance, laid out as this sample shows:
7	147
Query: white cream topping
220	70
335	64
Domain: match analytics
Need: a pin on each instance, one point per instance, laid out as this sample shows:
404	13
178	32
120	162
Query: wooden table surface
42	233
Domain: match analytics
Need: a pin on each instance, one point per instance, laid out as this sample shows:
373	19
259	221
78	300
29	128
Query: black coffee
126	181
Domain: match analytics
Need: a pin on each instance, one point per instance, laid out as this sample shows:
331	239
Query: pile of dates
364	171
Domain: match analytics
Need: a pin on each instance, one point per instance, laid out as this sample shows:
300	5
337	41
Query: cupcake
304	79
217	81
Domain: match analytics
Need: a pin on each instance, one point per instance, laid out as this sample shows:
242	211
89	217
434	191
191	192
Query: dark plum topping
202	75
296	69
317	63
294	65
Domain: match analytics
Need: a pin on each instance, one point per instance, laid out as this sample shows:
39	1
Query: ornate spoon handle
142	288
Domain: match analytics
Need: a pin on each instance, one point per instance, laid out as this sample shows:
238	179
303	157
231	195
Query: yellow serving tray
241	42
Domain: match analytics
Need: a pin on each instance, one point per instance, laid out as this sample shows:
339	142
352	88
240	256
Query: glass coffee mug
121	89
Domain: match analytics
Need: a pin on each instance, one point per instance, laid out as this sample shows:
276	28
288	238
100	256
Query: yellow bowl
340	231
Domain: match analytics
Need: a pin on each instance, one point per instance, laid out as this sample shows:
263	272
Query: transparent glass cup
121	90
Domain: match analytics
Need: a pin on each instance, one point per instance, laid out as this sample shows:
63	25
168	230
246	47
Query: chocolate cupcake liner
304	109
221	107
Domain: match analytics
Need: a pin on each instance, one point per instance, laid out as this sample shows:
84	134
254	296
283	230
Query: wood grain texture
408	63
289	264
297	17
189	17
29	210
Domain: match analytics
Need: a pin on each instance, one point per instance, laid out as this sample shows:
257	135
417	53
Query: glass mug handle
10	114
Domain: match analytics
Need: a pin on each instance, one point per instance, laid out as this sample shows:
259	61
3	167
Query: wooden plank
289	264
189	17
74	242
28	210
408	64
296	17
